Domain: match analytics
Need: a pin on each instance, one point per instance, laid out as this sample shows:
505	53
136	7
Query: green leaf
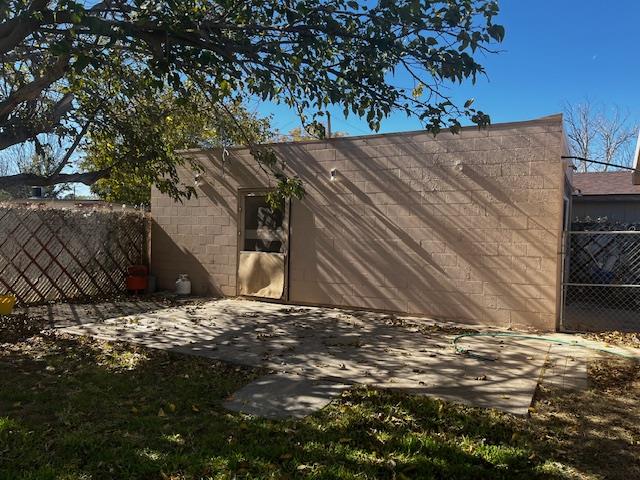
81	62
496	32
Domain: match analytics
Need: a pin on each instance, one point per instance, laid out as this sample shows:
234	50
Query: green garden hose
573	343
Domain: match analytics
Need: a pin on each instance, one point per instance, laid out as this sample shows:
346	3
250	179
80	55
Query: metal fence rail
54	254
601	286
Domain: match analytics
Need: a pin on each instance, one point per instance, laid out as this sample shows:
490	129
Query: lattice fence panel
62	254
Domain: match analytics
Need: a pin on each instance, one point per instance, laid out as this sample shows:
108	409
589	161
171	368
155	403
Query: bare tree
7	167
616	136
599	133
41	157
580	130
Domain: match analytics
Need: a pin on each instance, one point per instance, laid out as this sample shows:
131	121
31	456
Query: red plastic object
137	280
138	270
135	284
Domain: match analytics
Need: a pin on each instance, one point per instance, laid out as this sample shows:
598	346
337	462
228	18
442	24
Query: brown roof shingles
605	183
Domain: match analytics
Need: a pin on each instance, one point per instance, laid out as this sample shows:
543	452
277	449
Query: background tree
599	133
299	134
308	54
139	133
43	161
40	158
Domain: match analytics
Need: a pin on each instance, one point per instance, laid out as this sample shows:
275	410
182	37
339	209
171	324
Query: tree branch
35	180
14	31
33	89
65	160
12	135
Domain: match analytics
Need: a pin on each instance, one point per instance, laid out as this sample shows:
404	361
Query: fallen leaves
19	327
614	374
625	339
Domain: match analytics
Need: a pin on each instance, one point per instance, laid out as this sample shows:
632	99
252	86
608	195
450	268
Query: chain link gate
601	282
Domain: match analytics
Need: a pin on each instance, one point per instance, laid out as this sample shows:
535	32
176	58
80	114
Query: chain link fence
601	288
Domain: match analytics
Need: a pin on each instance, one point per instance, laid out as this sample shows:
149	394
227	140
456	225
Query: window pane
263	227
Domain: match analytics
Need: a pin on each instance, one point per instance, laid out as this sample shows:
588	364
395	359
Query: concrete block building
466	227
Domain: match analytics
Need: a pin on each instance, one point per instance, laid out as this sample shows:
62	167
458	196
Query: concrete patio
330	349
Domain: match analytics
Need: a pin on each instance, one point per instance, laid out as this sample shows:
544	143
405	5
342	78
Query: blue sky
554	51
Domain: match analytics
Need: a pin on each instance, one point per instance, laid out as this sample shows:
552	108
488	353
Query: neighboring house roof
605	183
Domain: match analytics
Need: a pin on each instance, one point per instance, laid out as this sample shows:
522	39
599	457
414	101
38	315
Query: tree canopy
308	54
143	132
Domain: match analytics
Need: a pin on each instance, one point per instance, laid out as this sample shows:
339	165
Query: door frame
286	224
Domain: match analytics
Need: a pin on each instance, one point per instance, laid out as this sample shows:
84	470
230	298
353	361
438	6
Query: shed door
263	247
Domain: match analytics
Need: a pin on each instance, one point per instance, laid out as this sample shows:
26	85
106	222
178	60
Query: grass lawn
75	408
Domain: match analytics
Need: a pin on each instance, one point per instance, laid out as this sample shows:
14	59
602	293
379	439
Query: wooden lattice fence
49	254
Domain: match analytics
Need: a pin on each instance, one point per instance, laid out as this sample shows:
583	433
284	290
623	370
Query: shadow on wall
347	250
458	228
379	237
169	257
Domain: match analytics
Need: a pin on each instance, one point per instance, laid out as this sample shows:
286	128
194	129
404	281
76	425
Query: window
263	227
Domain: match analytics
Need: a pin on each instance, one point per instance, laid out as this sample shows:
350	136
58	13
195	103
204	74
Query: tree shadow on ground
80	408
74	312
347	346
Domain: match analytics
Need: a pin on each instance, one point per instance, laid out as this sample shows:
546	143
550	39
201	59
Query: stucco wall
464	226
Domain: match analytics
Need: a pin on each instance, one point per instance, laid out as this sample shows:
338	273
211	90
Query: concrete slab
413	354
283	396
566	367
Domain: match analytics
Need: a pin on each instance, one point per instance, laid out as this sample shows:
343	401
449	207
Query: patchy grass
74	408
596	431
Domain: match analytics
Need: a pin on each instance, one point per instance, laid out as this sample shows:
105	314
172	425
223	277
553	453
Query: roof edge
546	120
